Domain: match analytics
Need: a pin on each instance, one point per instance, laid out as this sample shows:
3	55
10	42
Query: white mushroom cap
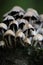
21	13
27	40
27	26
41	17
14	22
2	25
17	9
31	12
41	31
9	32
20	34
9	17
22	21
33	32
38	37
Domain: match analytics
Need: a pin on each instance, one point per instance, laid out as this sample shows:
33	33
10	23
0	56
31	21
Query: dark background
6	5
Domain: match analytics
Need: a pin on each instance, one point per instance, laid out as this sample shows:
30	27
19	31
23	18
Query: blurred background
6	5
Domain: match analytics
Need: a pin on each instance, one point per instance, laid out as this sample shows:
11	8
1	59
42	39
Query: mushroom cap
31	12
22	21
20	34
27	26
21	13
13	22
41	17
4	26
9	32
27	40
38	37
17	9
9	17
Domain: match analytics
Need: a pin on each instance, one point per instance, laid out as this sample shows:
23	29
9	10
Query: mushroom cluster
21	28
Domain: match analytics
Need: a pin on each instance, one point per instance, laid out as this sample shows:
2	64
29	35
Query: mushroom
40	31
13	26
27	42
41	17
29	30
37	41
22	22
20	36
31	15
3	29
8	19
15	10
9	37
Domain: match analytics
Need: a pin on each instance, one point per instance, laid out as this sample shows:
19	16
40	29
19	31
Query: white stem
10	41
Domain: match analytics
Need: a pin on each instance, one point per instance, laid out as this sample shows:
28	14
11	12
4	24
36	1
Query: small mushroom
3	28
9	37
19	38
27	42
13	26
22	22
37	41
8	19
31	15
29	30
15	10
